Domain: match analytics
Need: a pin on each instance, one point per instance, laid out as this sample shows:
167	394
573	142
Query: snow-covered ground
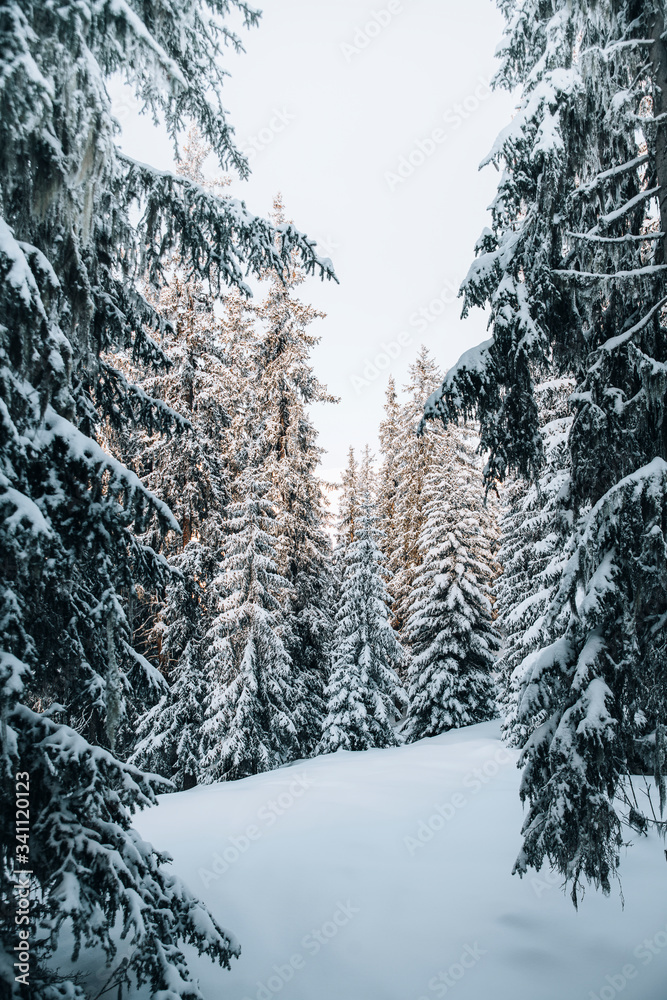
385	875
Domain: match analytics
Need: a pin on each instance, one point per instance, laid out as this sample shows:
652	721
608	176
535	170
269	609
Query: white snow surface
327	848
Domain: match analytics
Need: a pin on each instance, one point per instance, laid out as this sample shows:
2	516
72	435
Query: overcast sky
371	119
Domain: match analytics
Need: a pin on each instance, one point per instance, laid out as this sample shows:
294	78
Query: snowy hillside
385	875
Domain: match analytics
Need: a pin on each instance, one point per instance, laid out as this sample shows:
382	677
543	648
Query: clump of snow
473	360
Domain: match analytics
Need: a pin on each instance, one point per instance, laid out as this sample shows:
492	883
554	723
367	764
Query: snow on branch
622	338
121	11
618	171
650	479
473	360
218	237
610	50
643	120
86	451
608	220
26	511
127	399
638	272
470	368
628	238
18	274
596	696
535	666
544	96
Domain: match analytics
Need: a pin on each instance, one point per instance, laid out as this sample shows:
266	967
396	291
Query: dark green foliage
72	516
574	273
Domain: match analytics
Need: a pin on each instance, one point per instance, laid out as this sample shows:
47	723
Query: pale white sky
371	119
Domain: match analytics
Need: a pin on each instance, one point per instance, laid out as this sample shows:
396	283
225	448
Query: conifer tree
203	382
81	224
191	472
261	403
250	719
536	542
368	478
197	475
286	388
169	734
452	639
364	696
348	507
390	478
416	456
573	271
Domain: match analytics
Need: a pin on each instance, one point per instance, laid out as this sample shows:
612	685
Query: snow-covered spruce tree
348	506
364	696
197	480
202	382
70	258
250	720
389	475
416	456
189	472
213	362
450	631
536	543
169	735
574	273
356	476
368	479
286	387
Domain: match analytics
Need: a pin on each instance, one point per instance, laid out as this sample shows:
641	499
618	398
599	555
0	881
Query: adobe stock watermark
423	149
327	244
374	26
443	812
311	943
644	953
267	815
125	106
442	984
420	320
252	145
22	881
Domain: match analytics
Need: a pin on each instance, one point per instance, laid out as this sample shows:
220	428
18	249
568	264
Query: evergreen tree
417	455
389	478
203	382
191	472
573	271
169	735
197	475
250	721
364	696
450	631
537	538
368	478
348	507
261	423
286	388
71	255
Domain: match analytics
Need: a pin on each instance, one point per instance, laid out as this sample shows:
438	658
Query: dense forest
184	601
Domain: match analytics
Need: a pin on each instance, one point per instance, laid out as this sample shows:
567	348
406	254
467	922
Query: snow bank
385	875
